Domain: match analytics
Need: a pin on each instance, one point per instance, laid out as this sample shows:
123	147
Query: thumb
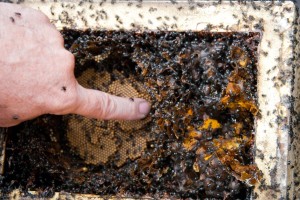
100	105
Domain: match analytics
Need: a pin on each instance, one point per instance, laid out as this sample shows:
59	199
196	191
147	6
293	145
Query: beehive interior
197	141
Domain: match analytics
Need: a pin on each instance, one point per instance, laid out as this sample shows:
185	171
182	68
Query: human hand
37	74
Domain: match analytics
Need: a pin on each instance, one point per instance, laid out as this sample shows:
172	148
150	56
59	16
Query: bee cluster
202	86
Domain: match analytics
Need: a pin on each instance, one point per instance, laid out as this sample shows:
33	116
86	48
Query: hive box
277	130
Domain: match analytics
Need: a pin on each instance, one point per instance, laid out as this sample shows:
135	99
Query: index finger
101	105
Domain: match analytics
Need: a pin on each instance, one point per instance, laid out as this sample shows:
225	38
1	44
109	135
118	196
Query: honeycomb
197	143
95	140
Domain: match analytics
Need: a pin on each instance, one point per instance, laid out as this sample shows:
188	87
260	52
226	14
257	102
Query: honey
197	141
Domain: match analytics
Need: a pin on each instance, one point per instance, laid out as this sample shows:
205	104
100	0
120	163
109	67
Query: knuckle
110	104
102	105
107	106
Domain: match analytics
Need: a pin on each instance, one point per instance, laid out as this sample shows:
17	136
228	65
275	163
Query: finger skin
100	105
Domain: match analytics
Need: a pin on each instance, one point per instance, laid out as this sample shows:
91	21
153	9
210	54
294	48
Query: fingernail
144	108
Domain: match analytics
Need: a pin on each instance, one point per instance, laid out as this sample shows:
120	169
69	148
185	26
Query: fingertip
144	108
